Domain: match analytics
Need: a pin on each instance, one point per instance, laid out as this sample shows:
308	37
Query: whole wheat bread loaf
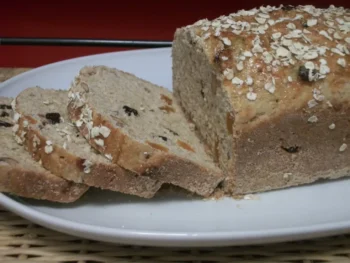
139	126
20	175
268	90
43	126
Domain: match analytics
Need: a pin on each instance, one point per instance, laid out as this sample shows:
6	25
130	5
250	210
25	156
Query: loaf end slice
43	126
274	85
20	175
140	127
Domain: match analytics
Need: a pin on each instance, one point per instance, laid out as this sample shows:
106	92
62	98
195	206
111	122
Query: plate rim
81	58
160	238
167	239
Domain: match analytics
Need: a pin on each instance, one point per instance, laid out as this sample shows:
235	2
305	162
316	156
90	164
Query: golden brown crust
144	159
264	66
66	165
31	184
18	179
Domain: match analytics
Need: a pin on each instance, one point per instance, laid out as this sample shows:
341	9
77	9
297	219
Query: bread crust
37	185
283	73
16	179
136	156
71	167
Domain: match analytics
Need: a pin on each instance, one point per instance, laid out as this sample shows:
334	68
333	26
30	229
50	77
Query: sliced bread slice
141	128
43	126
20	175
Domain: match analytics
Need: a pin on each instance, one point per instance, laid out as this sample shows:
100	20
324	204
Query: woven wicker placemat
23	241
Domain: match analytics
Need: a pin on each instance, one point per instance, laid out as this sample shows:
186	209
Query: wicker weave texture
23	241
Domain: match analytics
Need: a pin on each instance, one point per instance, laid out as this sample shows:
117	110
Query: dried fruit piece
292	149
5	124
173	132
163	138
4	114
307	74
128	110
53	117
5	107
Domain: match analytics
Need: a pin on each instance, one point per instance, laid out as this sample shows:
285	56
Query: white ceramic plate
172	220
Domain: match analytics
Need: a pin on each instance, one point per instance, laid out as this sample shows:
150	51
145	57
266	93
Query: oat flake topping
302	41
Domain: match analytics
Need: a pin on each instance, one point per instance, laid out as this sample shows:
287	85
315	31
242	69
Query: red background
154	20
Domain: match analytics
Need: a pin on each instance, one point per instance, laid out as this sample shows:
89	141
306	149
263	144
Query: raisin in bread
22	176
6	112
269	91
43	127
141	128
